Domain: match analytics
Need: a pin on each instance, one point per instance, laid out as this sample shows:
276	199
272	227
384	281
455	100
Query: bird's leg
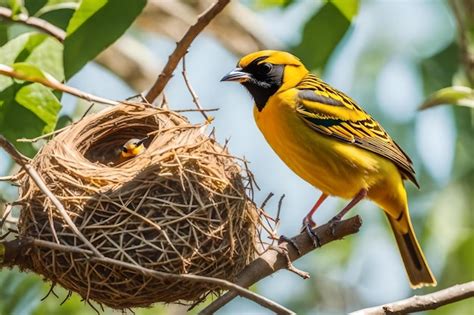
308	219
308	222
360	195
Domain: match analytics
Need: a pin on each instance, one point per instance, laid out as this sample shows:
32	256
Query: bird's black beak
140	142
237	75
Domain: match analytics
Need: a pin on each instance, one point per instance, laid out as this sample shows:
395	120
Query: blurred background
388	55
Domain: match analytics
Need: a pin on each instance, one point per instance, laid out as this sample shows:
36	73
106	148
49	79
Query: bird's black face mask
261	80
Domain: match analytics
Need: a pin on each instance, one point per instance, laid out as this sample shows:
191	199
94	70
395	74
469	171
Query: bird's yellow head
267	72
132	147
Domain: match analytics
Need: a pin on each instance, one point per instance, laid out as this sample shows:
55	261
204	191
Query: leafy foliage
95	17
324	31
455	95
29	109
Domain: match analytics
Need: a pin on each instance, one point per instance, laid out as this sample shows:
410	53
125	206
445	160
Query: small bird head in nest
132	148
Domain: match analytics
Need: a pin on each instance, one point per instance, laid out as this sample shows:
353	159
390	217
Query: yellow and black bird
132	148
333	144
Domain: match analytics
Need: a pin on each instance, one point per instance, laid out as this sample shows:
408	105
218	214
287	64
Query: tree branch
272	261
11	252
182	47
37	23
54	84
119	54
423	302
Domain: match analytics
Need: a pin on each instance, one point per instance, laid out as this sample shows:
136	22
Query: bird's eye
124	149
265	68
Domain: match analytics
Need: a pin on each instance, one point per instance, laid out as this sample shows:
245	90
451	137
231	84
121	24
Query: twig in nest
46	135
423	302
68	295
51	290
9	178
182	47
193	93
20	159
6	213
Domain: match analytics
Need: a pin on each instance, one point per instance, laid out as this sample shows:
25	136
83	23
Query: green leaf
16	6
3	34
63	121
31	72
265	4
37	49
32	6
323	32
58	14
107	20
455	95
348	8
29	109
40	101
439	69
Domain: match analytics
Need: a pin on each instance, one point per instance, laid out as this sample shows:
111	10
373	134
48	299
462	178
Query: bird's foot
332	224
308	226
284	251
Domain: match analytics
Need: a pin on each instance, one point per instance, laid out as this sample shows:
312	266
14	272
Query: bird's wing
332	113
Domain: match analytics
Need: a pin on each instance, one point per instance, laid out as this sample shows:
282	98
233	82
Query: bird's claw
308	221
314	237
332	225
308	226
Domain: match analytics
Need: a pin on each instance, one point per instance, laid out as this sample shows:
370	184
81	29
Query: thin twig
8	209
193	93
272	261
60	35
202	110
267	303
20	160
423	302
182	47
46	135
54	84
37	23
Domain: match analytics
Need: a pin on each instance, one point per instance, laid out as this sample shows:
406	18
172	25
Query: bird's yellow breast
334	167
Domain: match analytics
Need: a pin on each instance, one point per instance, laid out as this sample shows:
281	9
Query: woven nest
181	208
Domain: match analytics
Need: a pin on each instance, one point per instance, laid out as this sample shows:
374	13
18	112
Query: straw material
181	207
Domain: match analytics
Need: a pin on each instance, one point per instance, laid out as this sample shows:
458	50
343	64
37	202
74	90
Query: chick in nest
132	148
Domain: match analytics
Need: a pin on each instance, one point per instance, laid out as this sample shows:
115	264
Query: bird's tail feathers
416	265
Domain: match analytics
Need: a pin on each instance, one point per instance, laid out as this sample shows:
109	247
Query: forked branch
271	261
182	47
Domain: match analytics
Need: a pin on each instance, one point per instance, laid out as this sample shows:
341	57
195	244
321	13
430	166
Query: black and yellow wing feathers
332	113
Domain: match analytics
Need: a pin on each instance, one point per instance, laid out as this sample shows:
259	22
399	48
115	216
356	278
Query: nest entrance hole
104	147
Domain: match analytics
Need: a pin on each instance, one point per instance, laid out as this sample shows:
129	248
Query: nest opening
104	148
181	207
